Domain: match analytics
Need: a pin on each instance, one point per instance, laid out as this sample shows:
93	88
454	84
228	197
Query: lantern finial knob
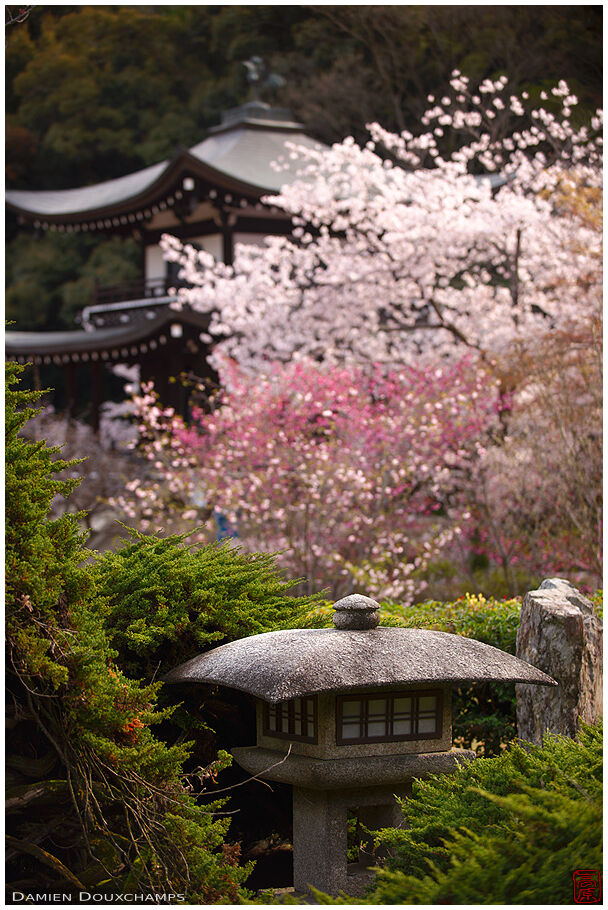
356	613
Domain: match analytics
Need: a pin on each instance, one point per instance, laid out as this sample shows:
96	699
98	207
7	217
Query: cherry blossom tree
537	495
399	413
353	475
419	245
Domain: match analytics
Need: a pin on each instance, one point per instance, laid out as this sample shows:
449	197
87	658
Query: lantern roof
278	666
247	155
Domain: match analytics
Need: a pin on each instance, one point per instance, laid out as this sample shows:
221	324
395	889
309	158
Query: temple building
211	196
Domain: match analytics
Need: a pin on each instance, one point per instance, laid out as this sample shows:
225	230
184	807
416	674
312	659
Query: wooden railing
138	289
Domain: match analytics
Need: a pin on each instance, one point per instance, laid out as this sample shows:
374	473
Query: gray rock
560	634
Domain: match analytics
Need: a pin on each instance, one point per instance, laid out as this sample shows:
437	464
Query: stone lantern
349	716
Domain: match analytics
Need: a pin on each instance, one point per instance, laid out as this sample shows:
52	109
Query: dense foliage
494	622
51	279
157	76
167	602
504	830
96	800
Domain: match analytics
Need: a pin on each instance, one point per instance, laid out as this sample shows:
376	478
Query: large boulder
560	634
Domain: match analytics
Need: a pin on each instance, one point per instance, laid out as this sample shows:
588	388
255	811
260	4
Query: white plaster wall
155	264
250	239
213	244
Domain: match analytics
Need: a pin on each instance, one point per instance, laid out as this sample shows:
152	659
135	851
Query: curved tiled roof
237	156
278	666
85	199
26	344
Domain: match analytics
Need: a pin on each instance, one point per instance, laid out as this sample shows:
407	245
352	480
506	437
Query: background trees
123	86
403	248
394	56
119	95
407	253
538	494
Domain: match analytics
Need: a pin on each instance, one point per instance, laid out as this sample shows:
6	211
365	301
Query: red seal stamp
587	886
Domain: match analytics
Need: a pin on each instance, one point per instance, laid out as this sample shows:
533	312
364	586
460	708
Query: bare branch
255	776
13	15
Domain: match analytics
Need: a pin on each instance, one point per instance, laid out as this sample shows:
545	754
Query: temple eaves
112	344
233	167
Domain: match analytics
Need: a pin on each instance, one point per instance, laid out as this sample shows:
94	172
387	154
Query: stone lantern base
323	793
320	836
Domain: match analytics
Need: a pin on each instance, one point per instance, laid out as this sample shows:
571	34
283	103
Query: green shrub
492	621
168	601
95	799
503	830
597	600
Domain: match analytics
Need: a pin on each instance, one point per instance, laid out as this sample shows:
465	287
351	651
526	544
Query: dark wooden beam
96	392
69	372
244	225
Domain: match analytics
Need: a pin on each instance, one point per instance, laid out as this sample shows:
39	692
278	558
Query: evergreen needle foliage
95	799
168	601
504	830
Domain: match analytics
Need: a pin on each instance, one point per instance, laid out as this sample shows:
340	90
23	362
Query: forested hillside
93	93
